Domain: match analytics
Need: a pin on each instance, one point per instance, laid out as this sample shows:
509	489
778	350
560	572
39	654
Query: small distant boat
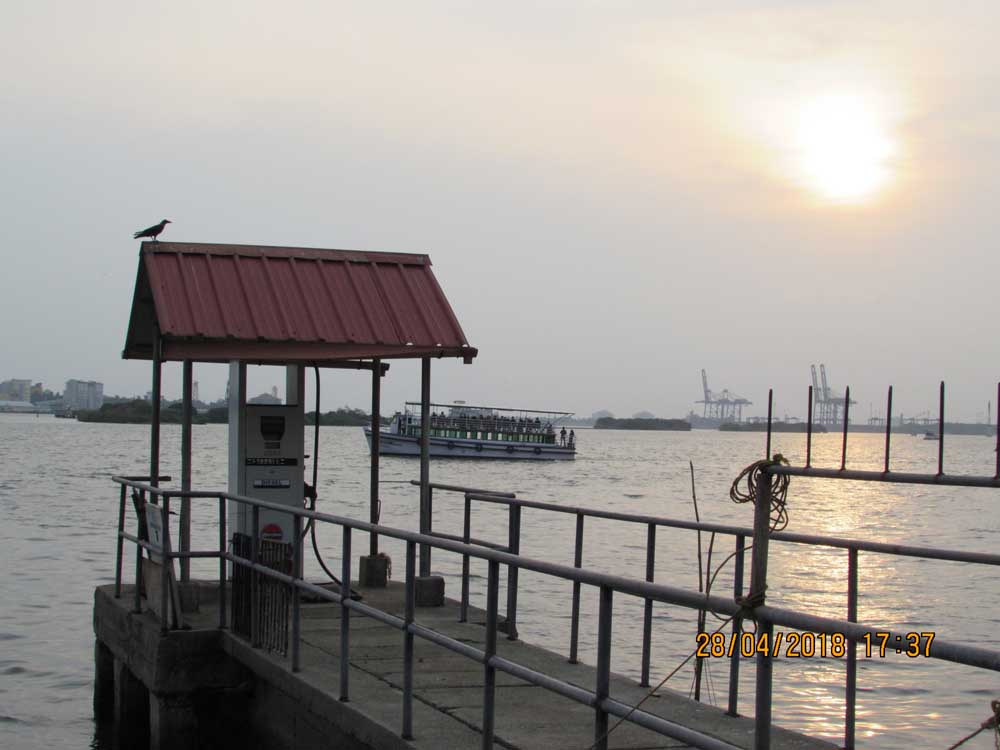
461	431
931	436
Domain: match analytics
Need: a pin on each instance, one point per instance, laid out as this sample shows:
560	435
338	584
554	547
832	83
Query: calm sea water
58	515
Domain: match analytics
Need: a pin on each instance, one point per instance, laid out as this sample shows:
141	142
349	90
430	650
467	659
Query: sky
614	195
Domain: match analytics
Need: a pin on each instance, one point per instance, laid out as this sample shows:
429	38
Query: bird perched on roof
152	231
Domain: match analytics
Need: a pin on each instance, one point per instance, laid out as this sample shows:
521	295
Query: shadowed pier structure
259	694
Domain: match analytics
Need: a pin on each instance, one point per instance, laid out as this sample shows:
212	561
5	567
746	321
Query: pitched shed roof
287	304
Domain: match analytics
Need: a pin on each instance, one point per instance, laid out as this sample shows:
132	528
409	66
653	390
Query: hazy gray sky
614	194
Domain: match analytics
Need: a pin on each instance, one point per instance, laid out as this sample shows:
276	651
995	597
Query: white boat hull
391	444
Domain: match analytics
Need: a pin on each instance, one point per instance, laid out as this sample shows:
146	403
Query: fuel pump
267	456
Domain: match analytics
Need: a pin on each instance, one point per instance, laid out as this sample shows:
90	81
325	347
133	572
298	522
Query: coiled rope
753	475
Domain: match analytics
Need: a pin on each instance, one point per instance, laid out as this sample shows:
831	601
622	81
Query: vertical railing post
574	625
411	583
137	602
374	501
850	711
425	471
603	686
222	562
463	612
647	613
765	629
254	577
297	575
120	548
345	614
165	563
184	528
489	651
734	661
514	547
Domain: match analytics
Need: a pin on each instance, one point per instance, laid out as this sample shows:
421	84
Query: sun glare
843	149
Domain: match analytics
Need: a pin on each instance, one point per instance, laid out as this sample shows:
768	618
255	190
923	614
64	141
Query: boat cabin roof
453	408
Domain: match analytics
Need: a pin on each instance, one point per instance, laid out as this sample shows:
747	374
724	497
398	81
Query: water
59	512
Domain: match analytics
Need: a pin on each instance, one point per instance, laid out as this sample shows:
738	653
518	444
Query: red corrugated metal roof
280	304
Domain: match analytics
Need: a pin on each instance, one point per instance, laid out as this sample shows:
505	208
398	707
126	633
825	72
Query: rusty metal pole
376	440
185	520
425	462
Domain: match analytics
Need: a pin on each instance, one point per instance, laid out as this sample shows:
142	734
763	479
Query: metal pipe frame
767	617
647	610
514	547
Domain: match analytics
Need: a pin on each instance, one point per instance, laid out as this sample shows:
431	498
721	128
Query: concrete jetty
203	686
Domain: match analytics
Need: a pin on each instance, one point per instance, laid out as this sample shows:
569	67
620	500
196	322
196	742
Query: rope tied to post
754	475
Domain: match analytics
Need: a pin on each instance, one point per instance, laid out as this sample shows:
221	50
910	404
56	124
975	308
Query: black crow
152	231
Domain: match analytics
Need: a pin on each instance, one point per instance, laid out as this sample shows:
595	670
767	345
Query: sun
843	149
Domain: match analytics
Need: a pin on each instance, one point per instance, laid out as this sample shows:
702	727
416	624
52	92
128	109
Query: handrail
602	703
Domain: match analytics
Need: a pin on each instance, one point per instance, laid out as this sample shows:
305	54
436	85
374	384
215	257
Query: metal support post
425	462
603	686
376	443
574	625
222	562
120	548
254	578
297	569
154	428
463	612
184	542
411	585
137	602
165	563
489	651
734	661
647	613
851	696
514	547
345	615
765	629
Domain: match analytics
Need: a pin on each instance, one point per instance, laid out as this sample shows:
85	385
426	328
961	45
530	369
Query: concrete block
374	571
172	723
131	707
429	591
104	682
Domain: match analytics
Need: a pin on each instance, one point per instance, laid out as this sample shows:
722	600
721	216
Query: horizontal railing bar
565	689
958	653
663	726
984	558
893	477
458	488
472	540
935	553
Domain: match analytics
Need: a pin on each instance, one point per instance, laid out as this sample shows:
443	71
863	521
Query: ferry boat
462	431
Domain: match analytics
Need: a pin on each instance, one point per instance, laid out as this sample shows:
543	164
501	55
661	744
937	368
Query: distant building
15	390
83	394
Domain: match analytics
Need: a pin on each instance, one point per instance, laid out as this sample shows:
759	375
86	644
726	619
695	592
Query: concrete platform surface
448	688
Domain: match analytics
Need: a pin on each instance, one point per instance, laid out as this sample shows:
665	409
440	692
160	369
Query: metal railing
852	546
468	547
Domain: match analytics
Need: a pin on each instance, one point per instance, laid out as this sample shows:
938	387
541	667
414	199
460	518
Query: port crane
724	406
828	407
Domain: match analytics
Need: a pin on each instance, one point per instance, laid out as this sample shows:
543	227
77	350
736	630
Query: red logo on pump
272	533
